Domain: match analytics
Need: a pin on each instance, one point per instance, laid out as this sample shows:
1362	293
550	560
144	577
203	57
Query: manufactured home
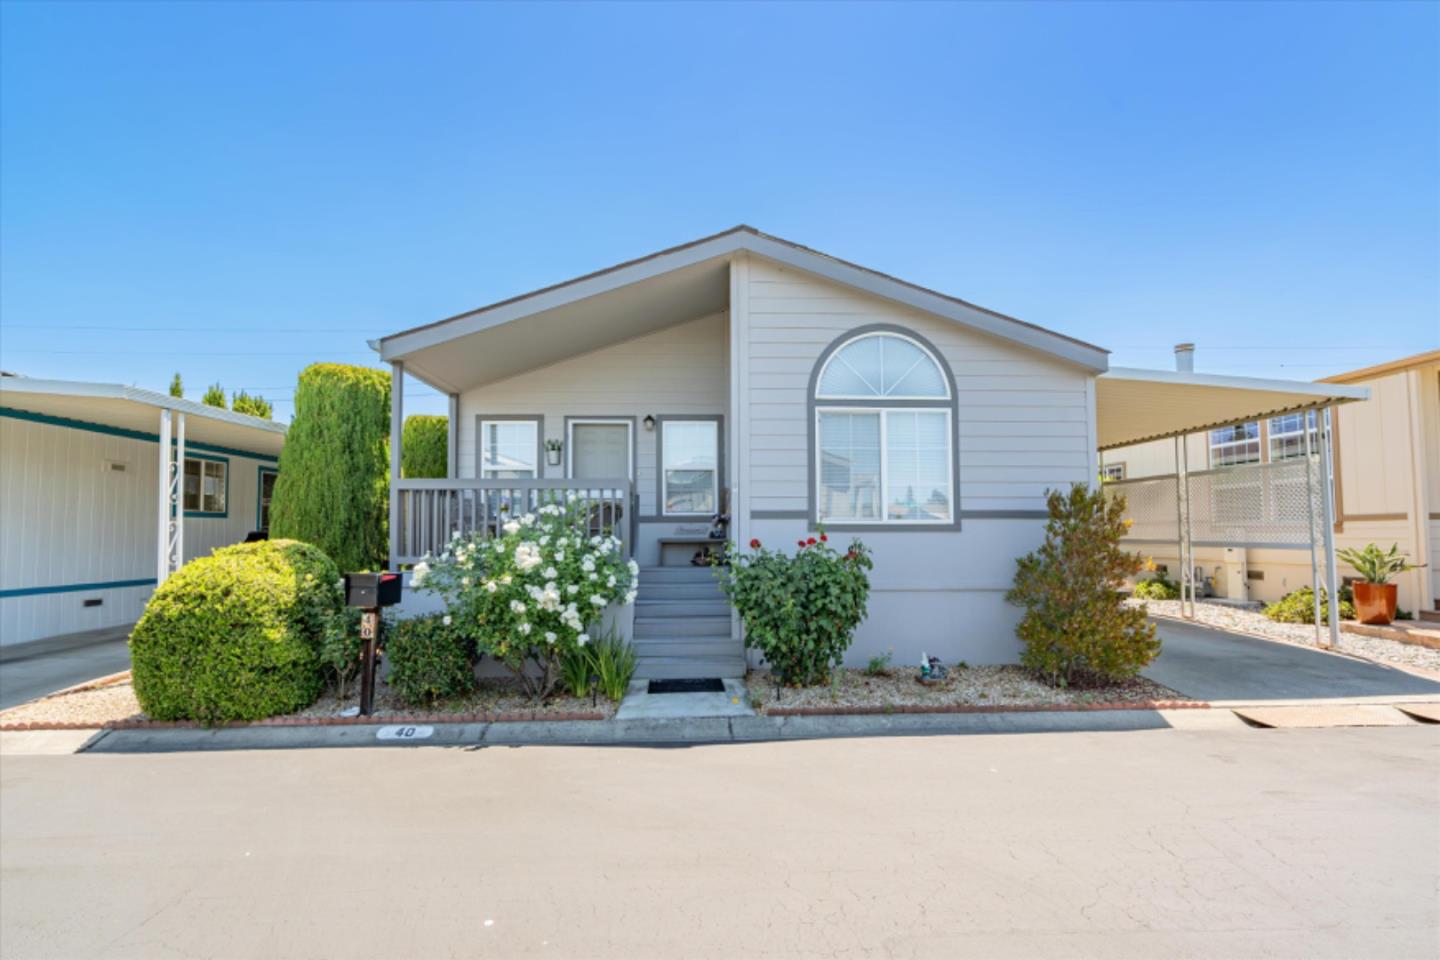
789	391
107	489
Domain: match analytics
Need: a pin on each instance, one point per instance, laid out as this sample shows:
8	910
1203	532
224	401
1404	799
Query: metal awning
1133	405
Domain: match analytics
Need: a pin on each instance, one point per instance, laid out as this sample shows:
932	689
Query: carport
1289	504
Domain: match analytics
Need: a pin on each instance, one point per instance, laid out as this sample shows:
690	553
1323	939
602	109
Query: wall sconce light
649	422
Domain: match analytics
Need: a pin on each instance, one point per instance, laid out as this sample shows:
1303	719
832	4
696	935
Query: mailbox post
370	592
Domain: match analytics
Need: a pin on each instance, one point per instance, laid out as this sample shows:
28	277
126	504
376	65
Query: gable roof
1385	369
397	346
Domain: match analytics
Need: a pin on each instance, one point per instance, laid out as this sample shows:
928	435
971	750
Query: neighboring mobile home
747	375
1387	490
87	527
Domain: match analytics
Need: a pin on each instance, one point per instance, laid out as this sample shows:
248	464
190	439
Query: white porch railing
430	512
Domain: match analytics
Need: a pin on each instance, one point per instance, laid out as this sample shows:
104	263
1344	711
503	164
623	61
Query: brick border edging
867	711
379	720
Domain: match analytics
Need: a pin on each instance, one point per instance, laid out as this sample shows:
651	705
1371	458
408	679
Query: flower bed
1224	617
492	700
977	688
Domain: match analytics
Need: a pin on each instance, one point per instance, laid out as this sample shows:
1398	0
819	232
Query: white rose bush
532	595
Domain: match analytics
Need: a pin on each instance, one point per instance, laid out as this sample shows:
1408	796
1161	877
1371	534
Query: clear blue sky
236	191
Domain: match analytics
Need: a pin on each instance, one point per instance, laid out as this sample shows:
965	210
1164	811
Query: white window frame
1105	469
883	520
199	509
879	334
629	426
714	471
539	469
1261	452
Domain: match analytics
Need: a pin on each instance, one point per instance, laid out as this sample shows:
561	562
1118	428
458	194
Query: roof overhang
136	411
1132	406
672	286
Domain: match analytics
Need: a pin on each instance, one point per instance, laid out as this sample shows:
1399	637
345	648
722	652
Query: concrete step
1430	616
682	668
666	628
681	608
649	648
676	574
680	591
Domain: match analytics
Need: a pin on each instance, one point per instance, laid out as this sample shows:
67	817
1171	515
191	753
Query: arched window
884	422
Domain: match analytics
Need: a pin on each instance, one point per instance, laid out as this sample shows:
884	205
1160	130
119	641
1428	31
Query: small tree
177	386
256	406
332	488
1077	627
425	446
214	396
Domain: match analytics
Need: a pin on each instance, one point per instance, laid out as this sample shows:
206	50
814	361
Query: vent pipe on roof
1185	357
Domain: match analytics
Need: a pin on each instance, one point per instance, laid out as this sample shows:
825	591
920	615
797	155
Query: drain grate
703	685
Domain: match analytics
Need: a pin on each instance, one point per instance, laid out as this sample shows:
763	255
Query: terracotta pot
1374	602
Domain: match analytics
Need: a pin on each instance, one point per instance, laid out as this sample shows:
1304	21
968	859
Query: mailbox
371	590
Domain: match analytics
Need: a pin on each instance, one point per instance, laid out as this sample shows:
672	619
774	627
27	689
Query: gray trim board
952	404
779	515
537	418
660	421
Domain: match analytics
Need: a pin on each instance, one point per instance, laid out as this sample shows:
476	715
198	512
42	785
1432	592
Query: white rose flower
583	639
610	581
634	568
559	556
549	636
445	619
517	607
573	589
550	573
419	573
597	601
594	576
511	526
491	586
524	628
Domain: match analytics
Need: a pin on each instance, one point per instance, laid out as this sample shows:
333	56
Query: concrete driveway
1214	665
43	668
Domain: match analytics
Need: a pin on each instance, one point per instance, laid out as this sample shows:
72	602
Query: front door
600	450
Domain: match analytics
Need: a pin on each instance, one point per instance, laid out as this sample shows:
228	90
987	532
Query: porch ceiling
1132	405
511	346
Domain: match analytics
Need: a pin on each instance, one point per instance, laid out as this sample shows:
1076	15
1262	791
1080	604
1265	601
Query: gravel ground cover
1002	686
1225	617
116	703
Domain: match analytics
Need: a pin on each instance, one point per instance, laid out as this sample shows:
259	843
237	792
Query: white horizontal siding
1022	417
67	519
678	370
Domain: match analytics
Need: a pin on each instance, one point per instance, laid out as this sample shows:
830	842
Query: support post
1311	491
397	428
1327	513
369	635
162	513
1182	525
178	557
452	458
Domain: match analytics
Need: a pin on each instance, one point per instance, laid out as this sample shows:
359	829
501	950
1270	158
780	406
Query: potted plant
1375	595
552	452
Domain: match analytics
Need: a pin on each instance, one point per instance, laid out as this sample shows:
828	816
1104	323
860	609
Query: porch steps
682	626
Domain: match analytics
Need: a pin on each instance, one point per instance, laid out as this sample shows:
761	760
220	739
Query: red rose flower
755	543
800	544
824	539
810	542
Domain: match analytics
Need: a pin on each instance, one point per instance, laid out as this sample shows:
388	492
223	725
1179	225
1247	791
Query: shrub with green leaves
252	404
609	659
1298	606
800	611
425	446
236	635
341	649
429	660
332	490
1077	628
1159	587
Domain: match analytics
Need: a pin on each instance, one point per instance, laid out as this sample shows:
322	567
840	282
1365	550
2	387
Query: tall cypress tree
425	446
334	471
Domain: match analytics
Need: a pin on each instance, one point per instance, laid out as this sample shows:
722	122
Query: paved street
1318	843
46	668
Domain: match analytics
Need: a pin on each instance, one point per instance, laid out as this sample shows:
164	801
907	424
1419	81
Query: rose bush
531	595
799	611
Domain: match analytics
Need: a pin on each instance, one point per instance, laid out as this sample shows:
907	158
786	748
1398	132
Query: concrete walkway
1213	665
32	670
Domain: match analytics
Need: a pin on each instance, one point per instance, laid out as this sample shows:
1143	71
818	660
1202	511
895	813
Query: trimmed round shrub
236	635
332	489
429	660
425	446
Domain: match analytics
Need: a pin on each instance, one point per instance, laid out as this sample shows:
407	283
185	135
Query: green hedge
236	635
425	446
429	660
332	489
1298	606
